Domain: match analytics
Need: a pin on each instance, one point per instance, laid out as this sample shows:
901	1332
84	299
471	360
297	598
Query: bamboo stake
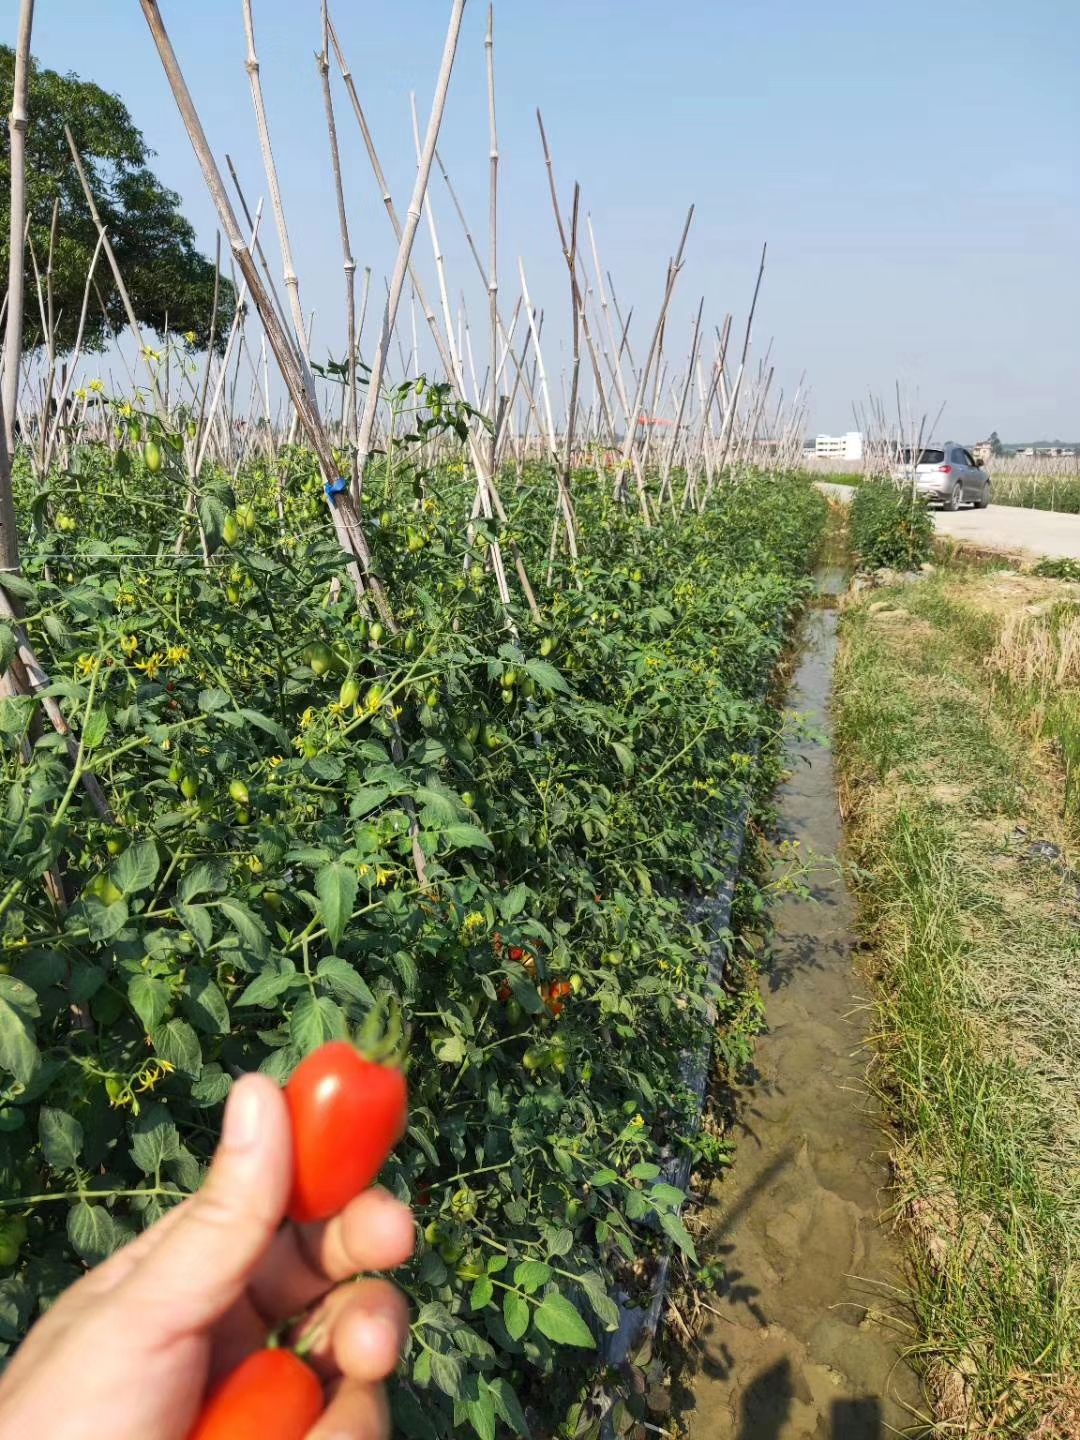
292	282
346	520
17	121
729	414
401	264
323	61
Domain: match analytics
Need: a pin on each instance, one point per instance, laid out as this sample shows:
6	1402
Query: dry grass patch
977	951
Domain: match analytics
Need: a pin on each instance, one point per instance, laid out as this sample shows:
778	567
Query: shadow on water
767	1402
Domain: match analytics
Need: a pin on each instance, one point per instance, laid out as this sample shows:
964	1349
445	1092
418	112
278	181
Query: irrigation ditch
807	1329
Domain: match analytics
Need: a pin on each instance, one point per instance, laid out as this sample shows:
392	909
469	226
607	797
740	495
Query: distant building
983	452
839	447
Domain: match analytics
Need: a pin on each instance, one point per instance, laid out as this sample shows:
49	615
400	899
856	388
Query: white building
840	447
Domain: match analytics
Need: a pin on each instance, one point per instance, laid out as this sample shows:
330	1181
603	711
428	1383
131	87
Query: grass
949	776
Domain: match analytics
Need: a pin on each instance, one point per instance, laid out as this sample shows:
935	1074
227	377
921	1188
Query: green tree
169	282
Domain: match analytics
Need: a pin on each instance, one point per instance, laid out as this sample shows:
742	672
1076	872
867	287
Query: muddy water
806	1334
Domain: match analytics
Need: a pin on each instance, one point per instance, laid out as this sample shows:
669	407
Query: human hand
130	1349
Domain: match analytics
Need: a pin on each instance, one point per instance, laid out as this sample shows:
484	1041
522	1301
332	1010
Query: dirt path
801	1346
1000	527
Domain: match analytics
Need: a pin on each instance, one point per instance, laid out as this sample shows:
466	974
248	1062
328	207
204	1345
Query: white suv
947	475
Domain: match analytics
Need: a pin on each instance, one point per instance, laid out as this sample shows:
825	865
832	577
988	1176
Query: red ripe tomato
555	996
505	992
273	1395
347	1114
517	953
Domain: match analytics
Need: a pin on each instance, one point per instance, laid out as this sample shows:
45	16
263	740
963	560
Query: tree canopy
170	284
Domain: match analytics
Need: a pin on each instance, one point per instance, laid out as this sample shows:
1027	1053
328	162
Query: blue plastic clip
335	488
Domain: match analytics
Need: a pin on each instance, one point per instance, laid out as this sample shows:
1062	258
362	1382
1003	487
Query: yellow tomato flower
129	644
307	719
97	386
85	664
177	654
275	761
150	666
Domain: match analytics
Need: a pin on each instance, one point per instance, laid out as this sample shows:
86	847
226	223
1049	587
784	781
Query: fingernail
243	1116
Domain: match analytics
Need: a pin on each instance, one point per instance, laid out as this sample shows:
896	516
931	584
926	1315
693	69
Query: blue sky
914	169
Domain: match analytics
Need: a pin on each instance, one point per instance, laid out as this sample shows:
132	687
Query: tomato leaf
345	982
137	868
531	1275
204	1003
644	1170
150	999
482	1292
513	902
18	1047
336	885
314	1020
208	877
465	837
177	1042
446	1371
673	1226
625	757
546	676
560	1321
94	1233
515	1314
269	984
61	1138
246	923
481	1415
507	1405
155	1140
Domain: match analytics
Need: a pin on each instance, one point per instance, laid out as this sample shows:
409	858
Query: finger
359	1331
356	1412
202	1265
373	1232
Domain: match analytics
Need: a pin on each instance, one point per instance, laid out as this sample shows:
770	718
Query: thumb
202	1264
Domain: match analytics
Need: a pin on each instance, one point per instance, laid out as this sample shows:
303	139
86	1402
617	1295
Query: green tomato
152	457
376	632
507	696
189	787
238	792
547	646
230	530
321	658
115	845
12	1236
350	693
245	515
468	799
409	643
509	679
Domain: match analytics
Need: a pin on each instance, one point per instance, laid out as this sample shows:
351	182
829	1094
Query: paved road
1000	527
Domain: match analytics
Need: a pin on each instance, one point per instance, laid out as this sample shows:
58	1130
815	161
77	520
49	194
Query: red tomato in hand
273	1395
347	1114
